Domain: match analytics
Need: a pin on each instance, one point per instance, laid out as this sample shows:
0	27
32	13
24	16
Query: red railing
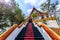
50	32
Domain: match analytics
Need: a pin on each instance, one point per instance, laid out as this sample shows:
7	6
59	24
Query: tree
45	6
12	13
19	16
50	7
53	7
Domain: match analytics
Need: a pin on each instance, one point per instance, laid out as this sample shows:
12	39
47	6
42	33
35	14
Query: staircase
30	32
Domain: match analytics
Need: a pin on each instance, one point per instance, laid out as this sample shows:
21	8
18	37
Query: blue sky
27	5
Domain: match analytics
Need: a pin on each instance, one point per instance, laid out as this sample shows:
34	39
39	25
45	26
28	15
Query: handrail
21	24
8	32
43	32
51	33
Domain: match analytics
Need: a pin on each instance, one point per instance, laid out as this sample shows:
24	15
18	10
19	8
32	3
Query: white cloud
58	8
42	1
29	10
34	2
7	1
39	9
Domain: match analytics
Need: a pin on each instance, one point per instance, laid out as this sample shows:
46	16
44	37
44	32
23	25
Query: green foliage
19	16
46	5
44	21
34	15
13	14
58	19
49	6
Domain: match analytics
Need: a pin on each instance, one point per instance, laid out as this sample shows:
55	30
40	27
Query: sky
27	5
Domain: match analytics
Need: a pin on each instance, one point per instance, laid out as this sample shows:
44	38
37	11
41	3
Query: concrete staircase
30	32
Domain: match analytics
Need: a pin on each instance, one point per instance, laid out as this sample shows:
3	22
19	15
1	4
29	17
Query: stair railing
9	31
43	32
50	32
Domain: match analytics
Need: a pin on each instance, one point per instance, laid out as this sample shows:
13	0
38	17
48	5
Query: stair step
29	37
36	38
